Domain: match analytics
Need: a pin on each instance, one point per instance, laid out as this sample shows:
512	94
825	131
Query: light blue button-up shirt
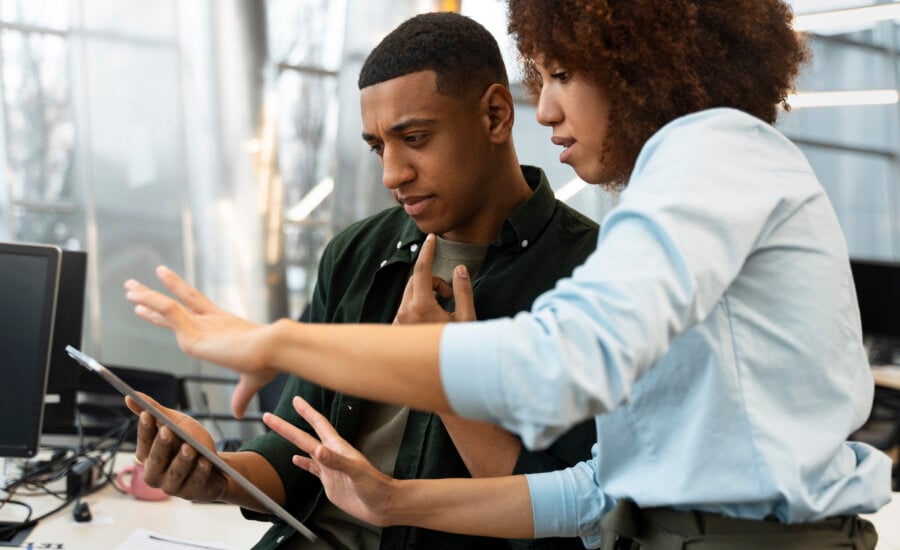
714	334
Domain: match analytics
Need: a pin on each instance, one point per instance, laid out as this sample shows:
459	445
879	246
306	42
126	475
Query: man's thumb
462	295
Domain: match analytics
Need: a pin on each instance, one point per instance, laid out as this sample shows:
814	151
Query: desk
116	515
887	522
887	376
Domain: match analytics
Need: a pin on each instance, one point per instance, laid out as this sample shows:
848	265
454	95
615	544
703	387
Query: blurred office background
221	138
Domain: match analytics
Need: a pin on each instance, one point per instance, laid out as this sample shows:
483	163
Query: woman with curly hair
713	334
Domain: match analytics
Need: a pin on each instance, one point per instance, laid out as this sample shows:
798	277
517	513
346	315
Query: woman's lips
567	143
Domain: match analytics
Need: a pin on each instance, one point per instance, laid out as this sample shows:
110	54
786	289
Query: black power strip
84	475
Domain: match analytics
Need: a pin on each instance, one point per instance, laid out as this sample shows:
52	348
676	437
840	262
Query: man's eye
376	148
415	138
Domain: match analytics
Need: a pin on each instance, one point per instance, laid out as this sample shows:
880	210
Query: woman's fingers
190	296
304	441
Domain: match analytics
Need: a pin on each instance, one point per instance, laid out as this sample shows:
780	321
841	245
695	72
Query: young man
437	111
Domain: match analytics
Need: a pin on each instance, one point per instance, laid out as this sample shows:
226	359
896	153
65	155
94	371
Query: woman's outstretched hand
205	331
349	479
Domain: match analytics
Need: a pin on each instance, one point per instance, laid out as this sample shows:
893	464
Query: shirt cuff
470	367
568	503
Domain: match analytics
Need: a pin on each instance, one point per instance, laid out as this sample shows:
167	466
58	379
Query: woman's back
726	246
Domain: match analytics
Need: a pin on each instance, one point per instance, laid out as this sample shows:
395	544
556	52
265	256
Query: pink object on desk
136	486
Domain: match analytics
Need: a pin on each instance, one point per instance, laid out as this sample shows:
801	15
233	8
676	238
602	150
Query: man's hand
350	481
420	305
205	331
172	465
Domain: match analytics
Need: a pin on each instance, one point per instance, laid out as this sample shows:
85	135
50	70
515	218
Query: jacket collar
520	229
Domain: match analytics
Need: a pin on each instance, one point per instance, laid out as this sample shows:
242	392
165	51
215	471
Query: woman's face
578	112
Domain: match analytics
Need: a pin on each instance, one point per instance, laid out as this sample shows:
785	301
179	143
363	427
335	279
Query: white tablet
264	499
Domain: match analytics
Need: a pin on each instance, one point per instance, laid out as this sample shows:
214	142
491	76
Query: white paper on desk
142	539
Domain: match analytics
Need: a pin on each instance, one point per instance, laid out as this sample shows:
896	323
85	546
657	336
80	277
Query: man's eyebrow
401	126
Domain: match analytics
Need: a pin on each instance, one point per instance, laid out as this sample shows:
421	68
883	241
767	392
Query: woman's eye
562	76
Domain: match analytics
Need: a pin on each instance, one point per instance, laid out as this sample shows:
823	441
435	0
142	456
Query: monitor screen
878	292
28	282
64	372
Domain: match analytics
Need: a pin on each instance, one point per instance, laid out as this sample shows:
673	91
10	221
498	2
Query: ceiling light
842	99
310	201
846	20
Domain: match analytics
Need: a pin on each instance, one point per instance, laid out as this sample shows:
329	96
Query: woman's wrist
393	507
270	341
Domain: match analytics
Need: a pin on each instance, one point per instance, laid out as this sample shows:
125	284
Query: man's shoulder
381	227
577	219
572	227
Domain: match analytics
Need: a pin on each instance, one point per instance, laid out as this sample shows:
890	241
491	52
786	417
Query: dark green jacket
362	274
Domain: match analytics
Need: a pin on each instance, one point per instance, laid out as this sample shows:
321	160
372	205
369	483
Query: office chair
101	406
194	387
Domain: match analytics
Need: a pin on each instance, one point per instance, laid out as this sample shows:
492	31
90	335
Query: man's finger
441	287
422	277
462	295
146	433
405	302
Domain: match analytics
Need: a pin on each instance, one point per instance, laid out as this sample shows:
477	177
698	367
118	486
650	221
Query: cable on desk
102	453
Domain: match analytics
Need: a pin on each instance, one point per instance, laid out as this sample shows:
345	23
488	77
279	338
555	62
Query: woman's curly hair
662	59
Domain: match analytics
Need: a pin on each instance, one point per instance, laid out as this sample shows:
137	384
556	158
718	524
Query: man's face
435	153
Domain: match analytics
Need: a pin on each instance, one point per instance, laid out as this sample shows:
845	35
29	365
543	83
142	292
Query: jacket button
413	248
524	243
399	245
383	263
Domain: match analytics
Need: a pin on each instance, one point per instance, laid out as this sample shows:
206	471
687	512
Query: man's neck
509	192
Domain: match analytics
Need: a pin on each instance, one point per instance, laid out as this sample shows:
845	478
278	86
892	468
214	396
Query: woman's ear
497	104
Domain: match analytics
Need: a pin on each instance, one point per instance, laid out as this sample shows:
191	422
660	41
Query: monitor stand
13	538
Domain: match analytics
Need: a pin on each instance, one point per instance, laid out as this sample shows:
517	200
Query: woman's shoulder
723	137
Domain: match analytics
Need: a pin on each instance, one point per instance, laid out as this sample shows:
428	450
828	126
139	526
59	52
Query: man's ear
497	104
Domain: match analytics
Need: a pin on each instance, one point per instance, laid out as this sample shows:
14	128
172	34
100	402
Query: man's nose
396	169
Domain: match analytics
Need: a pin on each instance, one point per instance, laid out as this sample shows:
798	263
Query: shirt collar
528	221
521	228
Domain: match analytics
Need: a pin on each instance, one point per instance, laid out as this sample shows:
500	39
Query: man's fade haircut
462	53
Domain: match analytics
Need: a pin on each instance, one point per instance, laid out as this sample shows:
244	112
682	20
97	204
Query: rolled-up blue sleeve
568	503
465	348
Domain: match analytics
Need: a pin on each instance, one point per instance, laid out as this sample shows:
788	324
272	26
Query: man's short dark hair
463	54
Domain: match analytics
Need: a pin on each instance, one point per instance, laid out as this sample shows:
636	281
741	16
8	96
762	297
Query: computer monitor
62	377
29	276
878	292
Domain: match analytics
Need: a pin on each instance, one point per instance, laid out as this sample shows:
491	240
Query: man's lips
415	205
565	142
